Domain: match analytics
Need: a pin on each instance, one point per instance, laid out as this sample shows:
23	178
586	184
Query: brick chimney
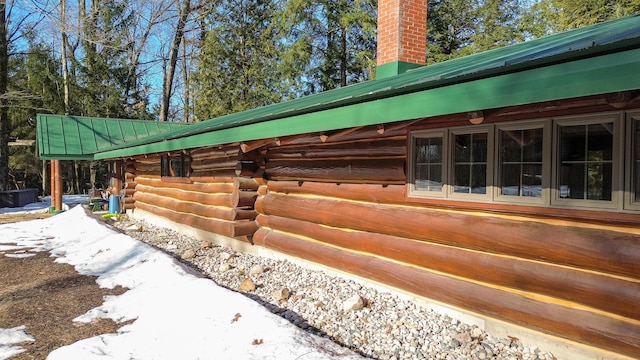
402	36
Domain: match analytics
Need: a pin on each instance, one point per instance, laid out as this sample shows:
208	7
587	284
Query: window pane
510	145
428	170
532	145
599	182
532	181
600	142
461	178
470	168
511	179
572	140
463	148
479	179
586	161
572	178
479	147
521	162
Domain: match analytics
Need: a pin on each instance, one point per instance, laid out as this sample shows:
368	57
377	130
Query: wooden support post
57	198
116	180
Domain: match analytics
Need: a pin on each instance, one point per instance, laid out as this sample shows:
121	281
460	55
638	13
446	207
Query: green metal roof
593	60
79	138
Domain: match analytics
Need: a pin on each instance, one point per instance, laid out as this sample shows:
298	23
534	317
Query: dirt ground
45	297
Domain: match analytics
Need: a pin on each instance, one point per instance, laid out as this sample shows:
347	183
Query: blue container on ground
114	204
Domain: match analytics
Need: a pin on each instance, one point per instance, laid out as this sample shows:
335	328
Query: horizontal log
221	227
147	167
225	185
130	168
202	174
129	176
366	133
391	194
236	198
246	169
218	199
129	200
242	214
255	144
544	314
215	163
130	184
205	153
365	150
216	212
129	192
608	293
129	206
244	183
380	171
589	248
244	228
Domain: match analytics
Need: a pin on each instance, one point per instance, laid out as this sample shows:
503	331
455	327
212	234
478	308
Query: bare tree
4	118
167	84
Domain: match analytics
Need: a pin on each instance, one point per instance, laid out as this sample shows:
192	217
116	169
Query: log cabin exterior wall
342	202
212	198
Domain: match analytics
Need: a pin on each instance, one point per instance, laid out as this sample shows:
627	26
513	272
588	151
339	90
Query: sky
178	313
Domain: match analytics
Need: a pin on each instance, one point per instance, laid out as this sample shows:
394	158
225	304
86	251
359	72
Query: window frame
449	186
184	165
623	167
421	134
617	180
545	125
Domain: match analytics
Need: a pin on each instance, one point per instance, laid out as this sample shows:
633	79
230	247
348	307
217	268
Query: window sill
602	216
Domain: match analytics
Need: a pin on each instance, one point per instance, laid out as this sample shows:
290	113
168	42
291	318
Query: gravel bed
375	323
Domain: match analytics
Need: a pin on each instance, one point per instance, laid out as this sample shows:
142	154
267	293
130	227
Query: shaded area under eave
63	137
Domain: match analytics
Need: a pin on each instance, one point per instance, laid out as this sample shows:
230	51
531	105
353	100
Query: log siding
339	199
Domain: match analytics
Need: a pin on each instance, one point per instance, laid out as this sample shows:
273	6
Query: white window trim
487	196
545	125
413	192
623	192
617	182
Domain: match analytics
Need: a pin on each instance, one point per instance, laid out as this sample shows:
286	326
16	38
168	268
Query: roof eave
558	81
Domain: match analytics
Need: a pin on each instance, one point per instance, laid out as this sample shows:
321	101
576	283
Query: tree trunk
63	54
167	85
4	118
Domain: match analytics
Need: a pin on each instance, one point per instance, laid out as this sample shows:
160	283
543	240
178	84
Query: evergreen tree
239	65
578	13
332	42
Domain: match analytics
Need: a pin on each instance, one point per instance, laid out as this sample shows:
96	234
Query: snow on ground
178	314
8	337
43	206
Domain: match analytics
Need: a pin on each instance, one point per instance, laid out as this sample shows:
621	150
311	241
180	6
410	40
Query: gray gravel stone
388	327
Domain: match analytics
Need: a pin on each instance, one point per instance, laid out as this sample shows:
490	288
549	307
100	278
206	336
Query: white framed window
471	172
579	162
523	162
587	161
429	165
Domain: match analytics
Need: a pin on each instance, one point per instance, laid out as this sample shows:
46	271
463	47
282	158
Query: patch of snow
9	337
177	313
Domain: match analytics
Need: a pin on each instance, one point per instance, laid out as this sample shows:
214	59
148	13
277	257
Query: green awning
79	138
